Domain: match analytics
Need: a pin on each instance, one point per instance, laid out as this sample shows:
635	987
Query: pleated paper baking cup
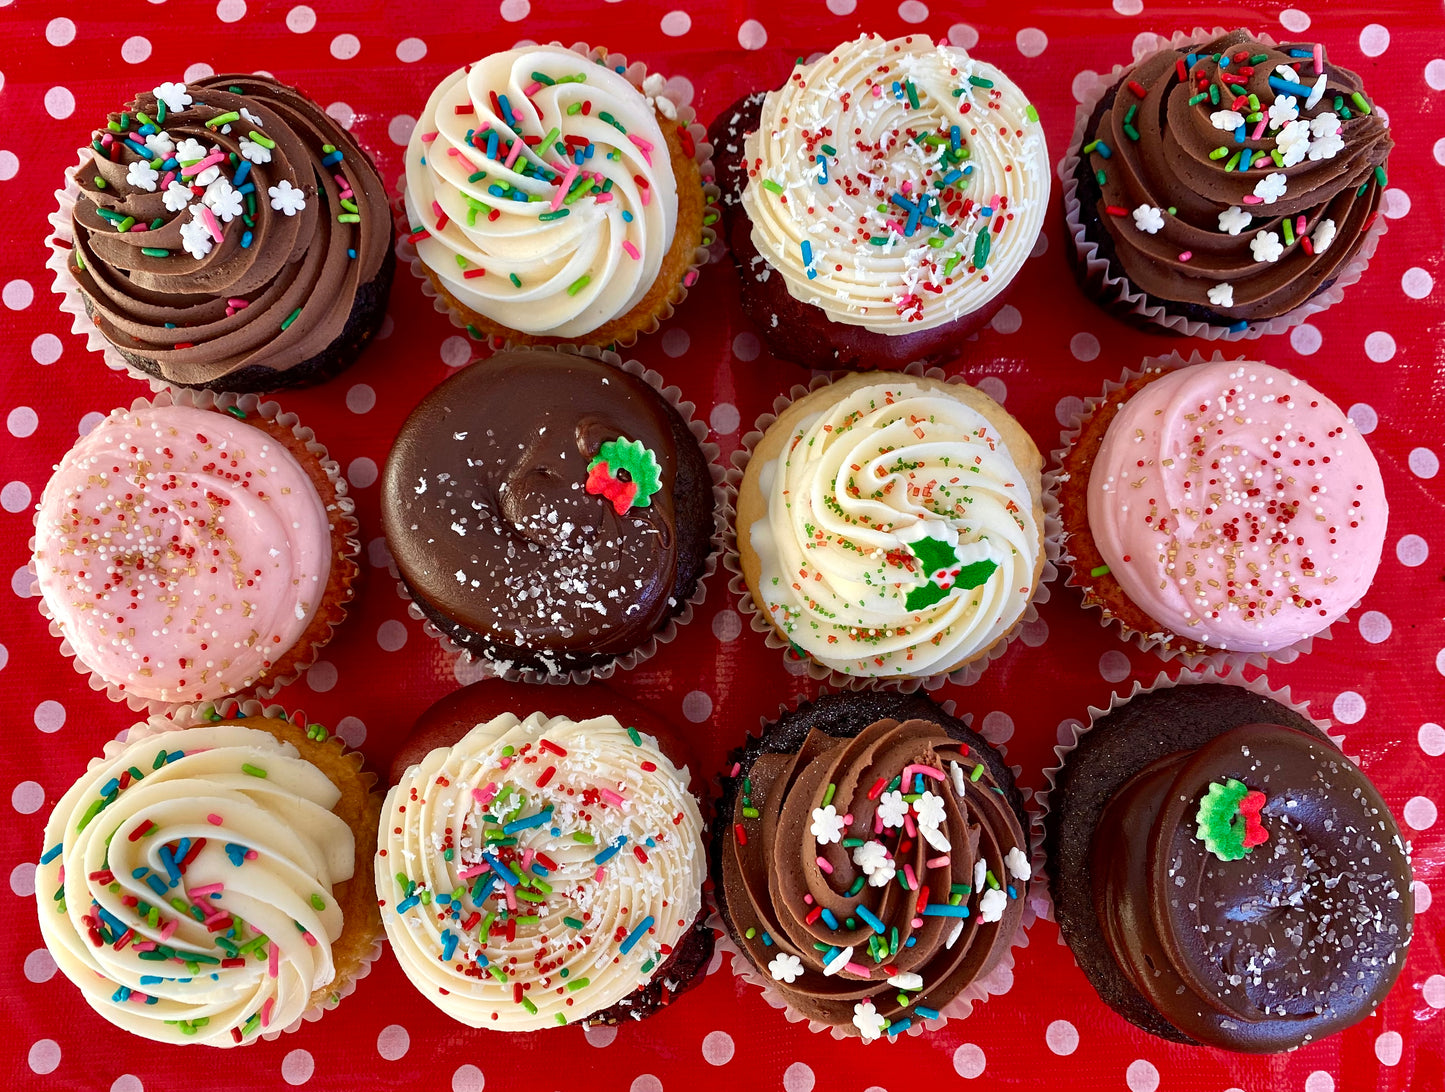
470	667
996	983
672	110
310	453
1107	282
965	674
1159	642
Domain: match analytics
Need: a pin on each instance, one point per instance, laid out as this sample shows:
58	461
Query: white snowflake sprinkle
990	907
197	238
892	808
1326	147
785	967
1222	295
252	118
222	199
1266	247
142	176
1227	120
177	197
869	1022
286	198
1293	141
1283	110
161	144
256	153
1148	218
873	859
1234	220
827	825
1017	862
1271	187
1323	236
929	809
174	95
906	980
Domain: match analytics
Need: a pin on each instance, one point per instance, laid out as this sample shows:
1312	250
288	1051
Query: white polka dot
1433	991
89	421
198	71
1128	7
1031	42
135	50
231	11
1418	888
22	421
1068	408
40	966
399	130
28	797
1319	1081
727	625
1390	1045
1396	204
360	398
321	676
1034	633
724	419
752	35
1432	739
1379	346
297	1067
842	7
1363	416
680	90
910	11
410	50
1008	319
675	342
343	48
17	294
1141	1076
1417	283
50	716
1041	246
44	1056
600	1035
1294	20
393	1042
351	731
4	657
20	581
676	23
45	349
391	635
1420	813
1084	346
514	11
1062	1037
1440	661
697	706
962	35
998	727
1424	463
344	115
1146	42
1082	84
300	19
717	1048
645	1083
968	1061
1412	550
1305	339
746	346
1439	152
59	102
456	351
378	553
362	472
798	1077
60	32
1435	74
1349	707
468	1078
994	387
22	880
1114	666
1375	627
1374	40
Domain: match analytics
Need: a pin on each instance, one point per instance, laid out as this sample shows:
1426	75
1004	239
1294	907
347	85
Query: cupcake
185	554
549	512
556	196
870	862
1223	874
1222	506
538	870
225	235
892	526
1223	182
209	880
882	201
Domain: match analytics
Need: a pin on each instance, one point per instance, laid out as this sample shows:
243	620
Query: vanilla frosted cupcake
890	192
892	527
543	871
554	199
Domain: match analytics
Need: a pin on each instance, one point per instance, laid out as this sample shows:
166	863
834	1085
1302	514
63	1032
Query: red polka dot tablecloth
1381	678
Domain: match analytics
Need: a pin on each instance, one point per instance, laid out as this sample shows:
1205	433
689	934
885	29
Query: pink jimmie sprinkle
167	929
1259	129
1251	199
214	819
825	866
858	969
597	876
877	822
514	152
877	91
926	771
602	198
201	892
1319	59
266	1011
472	167
563	187
483	796
427	138
528	855
611	797
137	997
309	938
691	278
532	88
1185	255
737	769
106	140
916	923
644	146
511	898
475	870
808	899
631	250
912	879
275	961
170	176
146	945
908	824
240	305
210	161
937	862
212	225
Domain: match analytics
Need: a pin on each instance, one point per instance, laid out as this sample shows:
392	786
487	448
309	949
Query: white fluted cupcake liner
966	675
345	522
635	73
1116	293
469	667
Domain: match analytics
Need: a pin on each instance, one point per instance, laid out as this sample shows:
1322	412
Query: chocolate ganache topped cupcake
1229	180
230	235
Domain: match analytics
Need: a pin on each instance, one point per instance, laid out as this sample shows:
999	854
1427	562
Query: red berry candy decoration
1229	820
624	472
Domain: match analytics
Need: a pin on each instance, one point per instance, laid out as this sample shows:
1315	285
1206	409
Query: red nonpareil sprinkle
546	776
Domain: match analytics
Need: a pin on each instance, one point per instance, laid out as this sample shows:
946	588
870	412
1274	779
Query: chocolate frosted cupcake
226	235
548	512
1224	182
870	862
881	201
1223	875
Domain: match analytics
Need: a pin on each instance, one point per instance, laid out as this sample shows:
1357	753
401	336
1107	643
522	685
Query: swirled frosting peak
226	225
540	870
1236	176
541	192
186	884
1237	506
182	552
898	185
901	535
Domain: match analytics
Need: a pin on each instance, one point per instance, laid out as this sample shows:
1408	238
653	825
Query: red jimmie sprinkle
548	745
546	776
1136	87
740	834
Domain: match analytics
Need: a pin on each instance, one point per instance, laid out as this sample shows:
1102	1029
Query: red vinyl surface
1381	678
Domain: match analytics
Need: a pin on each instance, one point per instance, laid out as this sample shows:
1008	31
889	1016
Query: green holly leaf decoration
934	554
974	575
924	596
940	561
624	472
1228	822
